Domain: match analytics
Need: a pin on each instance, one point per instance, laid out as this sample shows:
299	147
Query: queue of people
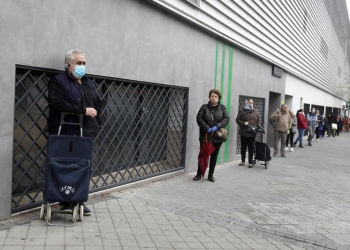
213	115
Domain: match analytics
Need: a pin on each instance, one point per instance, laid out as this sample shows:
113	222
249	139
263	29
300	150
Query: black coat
205	121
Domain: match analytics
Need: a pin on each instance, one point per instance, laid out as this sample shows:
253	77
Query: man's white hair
69	57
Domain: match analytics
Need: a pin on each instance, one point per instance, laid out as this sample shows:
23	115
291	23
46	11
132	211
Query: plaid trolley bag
67	172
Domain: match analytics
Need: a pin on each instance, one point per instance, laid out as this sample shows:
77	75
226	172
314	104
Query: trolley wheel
75	213
266	165
48	212
42	212
81	213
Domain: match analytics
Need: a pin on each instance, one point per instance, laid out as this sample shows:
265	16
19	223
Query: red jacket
301	121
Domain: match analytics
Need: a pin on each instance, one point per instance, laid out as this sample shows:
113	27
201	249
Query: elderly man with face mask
284	123
312	120
72	92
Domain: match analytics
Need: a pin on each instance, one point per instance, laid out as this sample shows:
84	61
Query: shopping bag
334	126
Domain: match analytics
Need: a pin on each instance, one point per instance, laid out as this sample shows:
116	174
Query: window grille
324	48
143	133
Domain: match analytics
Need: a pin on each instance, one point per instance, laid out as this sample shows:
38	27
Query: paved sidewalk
301	202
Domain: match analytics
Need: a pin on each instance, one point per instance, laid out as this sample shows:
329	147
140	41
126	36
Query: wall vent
195	2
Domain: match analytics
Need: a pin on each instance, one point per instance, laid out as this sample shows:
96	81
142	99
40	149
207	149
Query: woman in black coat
210	118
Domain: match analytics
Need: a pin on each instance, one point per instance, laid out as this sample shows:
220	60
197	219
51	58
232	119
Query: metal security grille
143	133
259	104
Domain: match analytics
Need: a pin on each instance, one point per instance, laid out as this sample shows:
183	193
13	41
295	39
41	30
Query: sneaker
250	165
66	208
283	156
275	155
309	144
241	164
317	140
286	149
291	149
86	211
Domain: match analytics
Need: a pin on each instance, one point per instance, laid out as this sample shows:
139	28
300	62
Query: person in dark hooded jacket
210	118
331	119
247	115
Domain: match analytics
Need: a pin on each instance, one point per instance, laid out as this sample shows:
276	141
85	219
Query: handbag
251	129
222	133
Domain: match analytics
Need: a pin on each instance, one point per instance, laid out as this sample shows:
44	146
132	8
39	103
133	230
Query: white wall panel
298	88
286	33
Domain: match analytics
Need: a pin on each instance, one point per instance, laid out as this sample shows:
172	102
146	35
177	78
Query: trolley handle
63	122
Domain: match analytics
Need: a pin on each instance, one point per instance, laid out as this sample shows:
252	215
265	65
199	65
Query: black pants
212	161
247	141
290	139
338	131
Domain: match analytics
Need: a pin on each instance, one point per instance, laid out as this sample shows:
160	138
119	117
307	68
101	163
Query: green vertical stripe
216	63
228	102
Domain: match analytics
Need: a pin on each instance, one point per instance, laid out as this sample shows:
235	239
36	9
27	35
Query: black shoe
301	146
211	178
86	211
294	144
197	178
66	208
309	144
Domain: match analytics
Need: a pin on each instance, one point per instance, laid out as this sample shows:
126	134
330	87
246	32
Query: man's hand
91	112
246	123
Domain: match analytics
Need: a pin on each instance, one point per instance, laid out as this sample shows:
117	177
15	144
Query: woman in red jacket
346	123
302	125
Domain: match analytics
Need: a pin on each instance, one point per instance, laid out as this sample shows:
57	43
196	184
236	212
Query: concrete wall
253	77
129	39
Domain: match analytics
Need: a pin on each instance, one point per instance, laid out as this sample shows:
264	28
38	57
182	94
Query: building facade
293	52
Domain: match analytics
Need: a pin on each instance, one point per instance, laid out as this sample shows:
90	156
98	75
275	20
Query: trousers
279	136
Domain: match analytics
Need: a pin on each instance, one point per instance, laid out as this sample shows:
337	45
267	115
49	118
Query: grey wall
253	77
129	39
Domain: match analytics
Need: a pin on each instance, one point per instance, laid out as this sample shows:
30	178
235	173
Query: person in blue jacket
312	120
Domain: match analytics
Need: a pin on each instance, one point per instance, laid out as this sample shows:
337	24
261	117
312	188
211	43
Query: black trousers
247	141
212	161
290	139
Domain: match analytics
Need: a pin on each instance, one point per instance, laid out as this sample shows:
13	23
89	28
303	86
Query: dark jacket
67	95
205	121
247	115
331	119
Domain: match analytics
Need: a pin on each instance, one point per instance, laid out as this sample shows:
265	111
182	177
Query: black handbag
252	129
